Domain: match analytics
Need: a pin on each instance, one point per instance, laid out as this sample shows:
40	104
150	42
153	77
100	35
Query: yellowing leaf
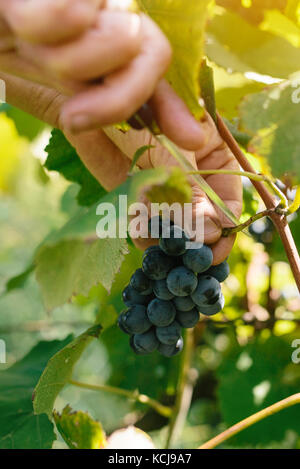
79	430
10	146
275	22
183	22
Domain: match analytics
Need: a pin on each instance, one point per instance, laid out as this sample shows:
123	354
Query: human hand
109	70
107	153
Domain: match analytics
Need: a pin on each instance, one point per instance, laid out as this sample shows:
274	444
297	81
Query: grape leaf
20	428
59	371
175	190
138	154
62	157
79	430
26	125
74	267
273	119
72	260
183	23
258	373
83	224
254	10
235	44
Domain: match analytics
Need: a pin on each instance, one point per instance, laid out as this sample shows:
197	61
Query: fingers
49	21
222	249
111	44
159	156
42	102
174	118
123	92
103	159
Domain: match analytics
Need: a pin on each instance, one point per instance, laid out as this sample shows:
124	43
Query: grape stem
135	395
248	422
258	216
186	381
279	219
253	176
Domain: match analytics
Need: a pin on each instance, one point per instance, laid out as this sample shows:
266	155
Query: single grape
207	291
134	348
147	342
141	283
198	260
121	325
188	319
156	265
210	310
151	249
132	297
174	241
182	281
161	313
135	320
183	303
219	272
161	290
169	335
171	350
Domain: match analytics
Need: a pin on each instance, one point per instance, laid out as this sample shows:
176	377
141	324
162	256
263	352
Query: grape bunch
169	292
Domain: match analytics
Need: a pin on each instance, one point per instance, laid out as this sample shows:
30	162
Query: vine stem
236	229
248	422
253	176
186	382
279	220
135	395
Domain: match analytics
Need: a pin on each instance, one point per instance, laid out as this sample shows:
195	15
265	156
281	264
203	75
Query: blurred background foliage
243	355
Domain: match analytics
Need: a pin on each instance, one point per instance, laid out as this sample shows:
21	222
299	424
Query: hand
109	62
107	154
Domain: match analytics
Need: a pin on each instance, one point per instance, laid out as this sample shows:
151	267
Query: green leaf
62	157
83	224
20	428
175	190
239	46
73	267
208	89
243	138
273	119
26	125
59	371
79	430
19	280
183	23
138	154
258	374
72	260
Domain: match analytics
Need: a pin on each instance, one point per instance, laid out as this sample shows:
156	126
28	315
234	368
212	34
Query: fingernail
79	123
